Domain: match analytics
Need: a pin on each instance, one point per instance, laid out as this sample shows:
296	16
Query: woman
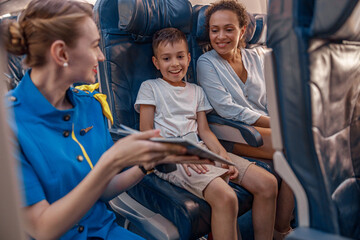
233	77
233	80
69	165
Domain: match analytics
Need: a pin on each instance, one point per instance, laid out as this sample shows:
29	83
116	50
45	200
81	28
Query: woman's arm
263	121
132	176
50	221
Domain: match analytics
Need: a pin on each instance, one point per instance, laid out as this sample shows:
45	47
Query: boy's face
173	61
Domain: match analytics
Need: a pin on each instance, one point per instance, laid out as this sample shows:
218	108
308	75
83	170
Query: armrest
156	225
249	133
304	233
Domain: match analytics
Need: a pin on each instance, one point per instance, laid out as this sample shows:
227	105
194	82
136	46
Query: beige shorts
196	183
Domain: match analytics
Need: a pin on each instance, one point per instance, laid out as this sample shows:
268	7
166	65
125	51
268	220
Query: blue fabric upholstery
318	70
126	27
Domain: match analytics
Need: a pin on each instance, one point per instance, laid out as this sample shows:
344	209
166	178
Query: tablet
192	147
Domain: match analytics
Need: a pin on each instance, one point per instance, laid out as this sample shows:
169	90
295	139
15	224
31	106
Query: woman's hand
199	168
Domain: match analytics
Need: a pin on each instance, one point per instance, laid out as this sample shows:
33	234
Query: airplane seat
316	83
228	131
160	209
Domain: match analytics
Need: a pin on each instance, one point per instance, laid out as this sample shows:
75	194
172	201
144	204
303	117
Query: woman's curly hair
230	5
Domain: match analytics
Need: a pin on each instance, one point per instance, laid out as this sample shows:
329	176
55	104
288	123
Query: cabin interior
312	73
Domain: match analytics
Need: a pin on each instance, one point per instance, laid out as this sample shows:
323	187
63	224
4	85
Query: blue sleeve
30	187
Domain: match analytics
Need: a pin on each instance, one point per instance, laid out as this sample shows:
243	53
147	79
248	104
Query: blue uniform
57	149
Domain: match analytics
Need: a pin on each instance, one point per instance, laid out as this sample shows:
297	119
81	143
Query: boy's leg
263	186
224	209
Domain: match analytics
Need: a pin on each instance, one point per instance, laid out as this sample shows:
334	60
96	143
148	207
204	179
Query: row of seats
316	107
126	28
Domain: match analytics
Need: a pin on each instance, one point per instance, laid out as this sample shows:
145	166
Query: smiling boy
178	109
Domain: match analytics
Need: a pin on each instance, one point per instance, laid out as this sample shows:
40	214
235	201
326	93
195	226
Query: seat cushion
189	213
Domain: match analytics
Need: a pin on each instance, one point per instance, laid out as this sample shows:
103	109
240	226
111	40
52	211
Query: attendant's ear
155	62
189	58
58	52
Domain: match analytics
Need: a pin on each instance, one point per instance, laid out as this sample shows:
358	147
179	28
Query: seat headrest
143	18
336	20
255	31
259	31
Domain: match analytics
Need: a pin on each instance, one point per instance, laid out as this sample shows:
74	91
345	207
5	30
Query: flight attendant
68	162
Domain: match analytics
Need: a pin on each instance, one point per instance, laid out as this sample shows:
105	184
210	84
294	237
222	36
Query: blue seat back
317	54
127	27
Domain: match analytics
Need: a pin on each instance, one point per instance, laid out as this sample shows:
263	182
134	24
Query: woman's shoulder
252	54
209	55
250	51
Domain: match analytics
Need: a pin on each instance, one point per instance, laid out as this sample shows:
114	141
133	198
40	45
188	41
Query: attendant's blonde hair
42	23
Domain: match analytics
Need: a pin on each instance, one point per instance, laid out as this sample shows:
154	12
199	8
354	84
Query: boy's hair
168	35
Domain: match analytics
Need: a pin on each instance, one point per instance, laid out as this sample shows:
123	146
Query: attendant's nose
101	56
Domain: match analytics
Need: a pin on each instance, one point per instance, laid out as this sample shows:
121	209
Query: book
192	147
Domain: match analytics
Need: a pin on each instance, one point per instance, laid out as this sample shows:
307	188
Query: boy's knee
229	197
272	187
222	197
268	188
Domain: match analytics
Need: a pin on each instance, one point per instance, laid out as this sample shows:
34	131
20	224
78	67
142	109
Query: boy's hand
199	168
233	172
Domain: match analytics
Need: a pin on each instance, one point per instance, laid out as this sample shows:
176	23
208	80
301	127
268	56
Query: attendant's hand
199	168
136	149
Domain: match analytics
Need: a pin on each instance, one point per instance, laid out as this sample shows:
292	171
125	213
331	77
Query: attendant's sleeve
145	96
30	187
219	97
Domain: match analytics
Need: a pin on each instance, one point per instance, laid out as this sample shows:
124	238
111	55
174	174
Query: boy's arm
213	143
147	113
208	136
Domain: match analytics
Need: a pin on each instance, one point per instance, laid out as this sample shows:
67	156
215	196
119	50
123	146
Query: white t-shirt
175	107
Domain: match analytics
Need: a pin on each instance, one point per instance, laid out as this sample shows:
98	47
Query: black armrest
249	133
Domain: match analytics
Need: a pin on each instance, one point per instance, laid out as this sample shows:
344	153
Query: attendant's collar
37	103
